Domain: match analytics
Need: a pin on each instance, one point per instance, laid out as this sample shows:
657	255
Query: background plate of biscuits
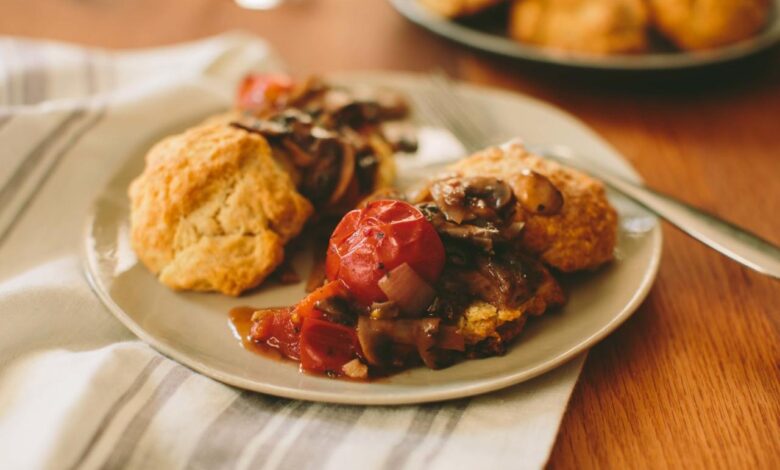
605	34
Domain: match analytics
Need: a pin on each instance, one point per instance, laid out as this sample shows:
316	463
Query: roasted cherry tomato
370	242
326	346
260	92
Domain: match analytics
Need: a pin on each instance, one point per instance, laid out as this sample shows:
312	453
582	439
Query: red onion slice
408	290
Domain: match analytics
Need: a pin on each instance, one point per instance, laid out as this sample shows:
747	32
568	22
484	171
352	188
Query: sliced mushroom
325	135
306	90
291	116
378	337
513	230
337	310
488	193
483	236
376	342
341	107
334	100
538	194
392	105
471	198
450	196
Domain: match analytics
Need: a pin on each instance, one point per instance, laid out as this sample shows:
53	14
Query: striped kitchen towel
77	390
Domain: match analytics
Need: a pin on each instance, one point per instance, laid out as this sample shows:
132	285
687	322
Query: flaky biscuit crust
703	24
212	210
592	26
582	235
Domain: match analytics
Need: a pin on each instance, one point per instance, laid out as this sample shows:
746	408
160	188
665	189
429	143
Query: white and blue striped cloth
77	390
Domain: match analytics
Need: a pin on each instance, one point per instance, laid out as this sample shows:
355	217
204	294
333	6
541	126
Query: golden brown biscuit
593	26
212	210
457	8
703	24
582	235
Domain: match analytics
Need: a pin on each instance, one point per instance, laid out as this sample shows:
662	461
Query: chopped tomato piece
259	92
306	307
275	328
326	346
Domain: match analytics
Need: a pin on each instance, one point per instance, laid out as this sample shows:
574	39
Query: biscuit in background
458	8
704	24
591	26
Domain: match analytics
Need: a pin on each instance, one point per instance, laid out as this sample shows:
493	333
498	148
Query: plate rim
91	270
417	14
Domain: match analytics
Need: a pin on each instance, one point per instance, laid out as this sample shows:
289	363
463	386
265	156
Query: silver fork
443	106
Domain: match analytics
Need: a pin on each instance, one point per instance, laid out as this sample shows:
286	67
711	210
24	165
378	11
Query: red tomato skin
370	242
306	307
326	346
279	332
259	92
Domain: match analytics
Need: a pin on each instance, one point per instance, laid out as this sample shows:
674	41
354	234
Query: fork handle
729	239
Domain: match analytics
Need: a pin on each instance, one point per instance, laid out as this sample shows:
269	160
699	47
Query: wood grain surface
693	378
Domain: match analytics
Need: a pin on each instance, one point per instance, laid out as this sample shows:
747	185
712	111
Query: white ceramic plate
499	44
192	328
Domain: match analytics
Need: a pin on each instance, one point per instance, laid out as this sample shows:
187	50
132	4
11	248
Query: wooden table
693	378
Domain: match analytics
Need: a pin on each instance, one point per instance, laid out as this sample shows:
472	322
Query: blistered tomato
370	242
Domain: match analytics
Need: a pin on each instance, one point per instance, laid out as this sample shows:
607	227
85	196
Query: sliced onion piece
355	369
346	174
408	290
